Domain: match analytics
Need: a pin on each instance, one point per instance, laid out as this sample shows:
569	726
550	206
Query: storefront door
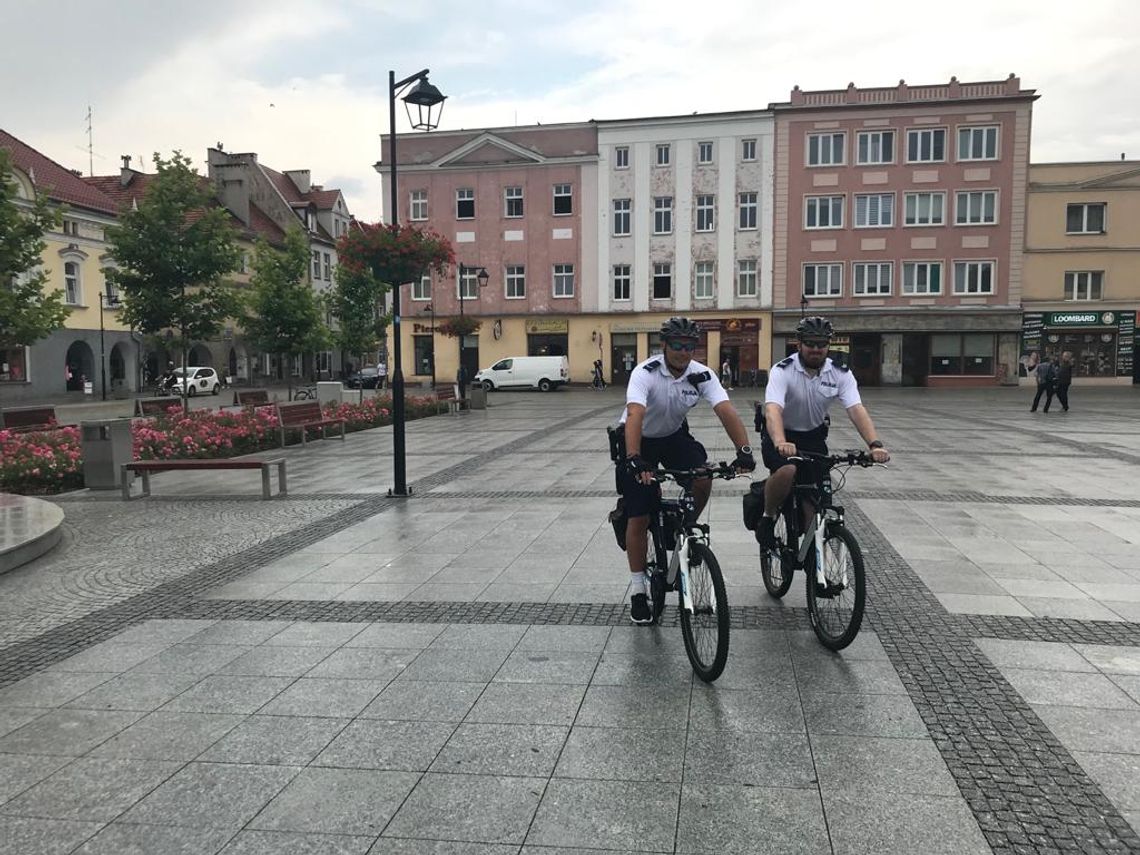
623	356
866	360
915	359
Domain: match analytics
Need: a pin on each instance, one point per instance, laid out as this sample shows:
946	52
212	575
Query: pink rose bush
40	462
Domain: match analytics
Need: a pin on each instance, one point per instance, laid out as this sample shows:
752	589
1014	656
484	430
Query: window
925	209
662	281
513	202
977	207
71	227
73	293
703	280
563	200
663	154
922	277
823	280
424	347
662	215
621	216
516	282
564	280
823	212
926	146
969	353
872	279
825	149
704	152
874	210
110	290
1083	284
316	265
323	361
1085	218
328	267
748	150
419	204
465	204
297	364
621	157
747	210
973	277
13	365
706	214
421	288
875	147
746	278
978	143
621	282
468	285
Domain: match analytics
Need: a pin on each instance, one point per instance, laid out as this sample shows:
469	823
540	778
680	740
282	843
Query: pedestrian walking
381	374
726	374
1051	381
1043	374
1063	380
599	377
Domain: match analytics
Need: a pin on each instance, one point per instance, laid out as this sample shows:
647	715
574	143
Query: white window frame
418	205
664	155
513	194
563	276
514	282
465	194
705	220
621	157
748	150
873	137
747	211
833	205
885	208
967	208
825	154
562	191
623	217
1085	217
834	280
73	283
1073	284
976	132
704	280
622	275
467	286
920	133
327	266
663	214
663	269
966	265
927	265
747	280
907	197
884	274
316	265
421	290
705	153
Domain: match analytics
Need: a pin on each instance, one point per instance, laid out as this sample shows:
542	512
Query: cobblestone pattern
970	497
1066	630
1024	788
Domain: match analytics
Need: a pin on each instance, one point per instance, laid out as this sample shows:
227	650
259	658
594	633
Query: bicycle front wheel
836	607
775	564
705	628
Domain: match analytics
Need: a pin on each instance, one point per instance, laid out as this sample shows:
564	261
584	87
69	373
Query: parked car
202	381
535	372
365	378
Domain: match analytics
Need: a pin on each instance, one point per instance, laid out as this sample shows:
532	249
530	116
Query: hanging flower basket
457	327
395	254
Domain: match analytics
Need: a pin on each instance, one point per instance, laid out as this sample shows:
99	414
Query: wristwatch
744	449
875	443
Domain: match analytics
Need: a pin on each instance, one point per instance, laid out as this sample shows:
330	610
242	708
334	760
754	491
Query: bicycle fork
679	568
814	537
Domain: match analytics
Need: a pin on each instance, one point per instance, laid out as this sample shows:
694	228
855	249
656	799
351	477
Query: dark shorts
676	451
812	440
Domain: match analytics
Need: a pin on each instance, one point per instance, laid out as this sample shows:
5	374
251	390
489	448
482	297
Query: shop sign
729	325
1080	319
651	327
1125	344
548	325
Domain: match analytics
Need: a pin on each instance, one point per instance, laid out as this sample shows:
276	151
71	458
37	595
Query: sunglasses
817	344
688	346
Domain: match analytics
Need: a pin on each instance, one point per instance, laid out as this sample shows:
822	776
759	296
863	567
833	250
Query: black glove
635	464
745	462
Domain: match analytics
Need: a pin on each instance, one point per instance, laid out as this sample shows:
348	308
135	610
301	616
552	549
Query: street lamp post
431	313
105	301
425	98
481	277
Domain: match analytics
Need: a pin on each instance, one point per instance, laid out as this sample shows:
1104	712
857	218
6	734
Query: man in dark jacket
1063	381
1044	374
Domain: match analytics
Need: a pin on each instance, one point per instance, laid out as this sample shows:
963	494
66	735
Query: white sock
639	581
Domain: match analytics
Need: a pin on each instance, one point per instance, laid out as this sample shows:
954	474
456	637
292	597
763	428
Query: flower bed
37	463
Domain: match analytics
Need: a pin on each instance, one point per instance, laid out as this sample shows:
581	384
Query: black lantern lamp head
428	104
483	276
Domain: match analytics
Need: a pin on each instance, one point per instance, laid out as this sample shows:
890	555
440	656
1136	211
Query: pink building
900	214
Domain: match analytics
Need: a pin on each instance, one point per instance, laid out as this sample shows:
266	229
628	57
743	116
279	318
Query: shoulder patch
785	362
698	379
652	366
842	368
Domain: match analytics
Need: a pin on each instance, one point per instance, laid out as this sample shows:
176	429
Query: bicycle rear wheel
776	568
836	609
705	629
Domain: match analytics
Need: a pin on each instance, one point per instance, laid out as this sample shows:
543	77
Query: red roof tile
57	182
284	185
260	224
325	200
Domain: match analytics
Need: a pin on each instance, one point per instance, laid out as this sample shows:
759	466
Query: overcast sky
303	82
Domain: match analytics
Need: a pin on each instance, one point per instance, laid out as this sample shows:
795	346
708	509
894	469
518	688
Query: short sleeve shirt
806	399
668	399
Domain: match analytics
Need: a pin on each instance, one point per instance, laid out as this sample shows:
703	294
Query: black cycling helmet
680	328
814	327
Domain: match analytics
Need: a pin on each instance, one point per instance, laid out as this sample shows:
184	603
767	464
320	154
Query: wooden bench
145	467
251	398
304	415
28	419
449	395
156	406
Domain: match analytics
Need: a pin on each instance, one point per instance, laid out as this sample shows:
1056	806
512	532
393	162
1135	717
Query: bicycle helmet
680	328
814	327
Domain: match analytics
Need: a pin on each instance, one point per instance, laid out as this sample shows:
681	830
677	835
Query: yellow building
1082	267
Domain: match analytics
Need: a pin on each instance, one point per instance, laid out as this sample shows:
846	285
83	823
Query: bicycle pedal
829	591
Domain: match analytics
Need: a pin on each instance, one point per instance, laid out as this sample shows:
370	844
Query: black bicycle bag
617	442
618	520
754	505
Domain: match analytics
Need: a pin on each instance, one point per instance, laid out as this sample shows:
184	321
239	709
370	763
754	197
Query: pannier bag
754	505
617	442
618	519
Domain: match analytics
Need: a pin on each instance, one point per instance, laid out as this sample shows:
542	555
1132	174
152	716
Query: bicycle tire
836	627
777	575
655	569
708	664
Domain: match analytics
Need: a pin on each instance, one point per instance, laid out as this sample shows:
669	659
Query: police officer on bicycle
801	389
661	391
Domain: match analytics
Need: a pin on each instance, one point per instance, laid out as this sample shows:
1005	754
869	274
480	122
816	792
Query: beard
813	360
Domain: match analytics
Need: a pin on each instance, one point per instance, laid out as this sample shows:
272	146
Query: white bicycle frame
679	562
815	536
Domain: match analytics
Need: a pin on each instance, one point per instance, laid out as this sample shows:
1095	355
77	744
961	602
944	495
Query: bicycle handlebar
727	471
850	457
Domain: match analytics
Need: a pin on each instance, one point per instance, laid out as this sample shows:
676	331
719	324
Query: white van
533	372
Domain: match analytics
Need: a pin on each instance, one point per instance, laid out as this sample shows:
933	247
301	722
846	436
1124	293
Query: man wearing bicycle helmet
801	389
661	391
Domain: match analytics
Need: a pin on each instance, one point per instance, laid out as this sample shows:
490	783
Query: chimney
126	174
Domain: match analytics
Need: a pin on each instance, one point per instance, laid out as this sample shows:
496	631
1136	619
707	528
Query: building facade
900	214
1082	268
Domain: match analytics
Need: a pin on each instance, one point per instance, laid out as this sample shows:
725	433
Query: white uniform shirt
806	399
668	399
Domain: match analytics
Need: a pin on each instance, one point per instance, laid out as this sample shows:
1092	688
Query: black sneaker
639	611
766	532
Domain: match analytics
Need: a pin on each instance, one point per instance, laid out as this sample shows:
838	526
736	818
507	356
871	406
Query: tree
283	315
27	312
175	251
355	302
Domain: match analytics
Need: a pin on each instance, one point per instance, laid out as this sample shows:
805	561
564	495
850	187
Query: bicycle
305	393
827	552
692	570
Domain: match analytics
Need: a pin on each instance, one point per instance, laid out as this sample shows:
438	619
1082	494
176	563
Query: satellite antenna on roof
90	144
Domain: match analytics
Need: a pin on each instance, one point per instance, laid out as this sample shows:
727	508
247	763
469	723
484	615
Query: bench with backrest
251	398
302	415
28	419
449	394
156	406
145	467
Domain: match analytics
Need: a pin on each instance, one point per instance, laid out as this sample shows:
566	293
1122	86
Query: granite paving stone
609	814
20	835
125	838
275	740
356	802
91	789
473	808
168	736
527	750
742	819
409	746
528	703
67	732
623	754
